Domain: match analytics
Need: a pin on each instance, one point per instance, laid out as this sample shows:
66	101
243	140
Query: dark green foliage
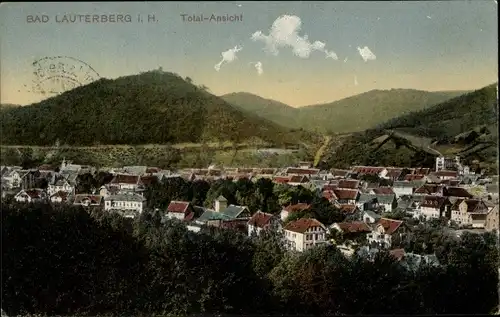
71	261
151	108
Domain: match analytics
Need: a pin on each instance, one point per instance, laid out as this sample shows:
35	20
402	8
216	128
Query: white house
303	234
130	205
384	232
402	188
434	207
59	197
61	184
30	196
262	221
126	182
13	177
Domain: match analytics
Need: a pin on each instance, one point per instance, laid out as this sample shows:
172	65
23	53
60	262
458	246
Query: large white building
303	234
130	205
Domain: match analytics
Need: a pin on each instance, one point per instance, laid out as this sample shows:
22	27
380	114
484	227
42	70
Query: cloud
228	56
284	32
366	54
258	67
345	60
355	80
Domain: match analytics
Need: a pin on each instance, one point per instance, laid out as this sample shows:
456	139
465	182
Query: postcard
314	132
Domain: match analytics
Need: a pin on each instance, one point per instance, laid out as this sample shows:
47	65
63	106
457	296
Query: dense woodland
155	107
67	260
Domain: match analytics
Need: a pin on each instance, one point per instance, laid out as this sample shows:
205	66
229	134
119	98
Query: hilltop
4	106
155	107
351	114
465	126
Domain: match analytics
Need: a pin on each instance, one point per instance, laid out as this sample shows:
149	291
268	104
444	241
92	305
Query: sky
299	53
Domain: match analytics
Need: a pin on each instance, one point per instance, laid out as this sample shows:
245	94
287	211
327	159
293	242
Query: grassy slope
447	119
153	107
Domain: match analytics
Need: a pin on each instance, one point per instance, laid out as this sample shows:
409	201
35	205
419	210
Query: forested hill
153	107
416	136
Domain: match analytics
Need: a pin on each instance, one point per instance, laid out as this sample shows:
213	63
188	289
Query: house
61	184
88	200
491	223
434	207
216	217
384	232
346	196
301	171
303	234
12	177
338	173
262	221
281	179
367	202
370	217
369	170
470	212
59	197
456	192
444	174
382	191
414	177
348	184
182	210
430	189
134	170
351	230
128	205
126	182
288	210
348	209
329	195
401	188
220	203
393	173
32	195
385	203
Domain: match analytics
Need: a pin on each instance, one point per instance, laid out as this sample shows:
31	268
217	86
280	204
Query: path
319	153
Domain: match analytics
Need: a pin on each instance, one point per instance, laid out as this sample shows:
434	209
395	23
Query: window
315	236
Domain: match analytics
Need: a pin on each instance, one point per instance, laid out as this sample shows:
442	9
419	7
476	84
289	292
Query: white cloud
429	17
345	60
285	33
228	56
258	67
366	54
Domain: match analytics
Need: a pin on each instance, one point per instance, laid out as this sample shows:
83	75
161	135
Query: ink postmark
57	74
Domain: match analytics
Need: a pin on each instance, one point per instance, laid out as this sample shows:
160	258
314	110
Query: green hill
150	108
5	106
352	114
416	138
267	108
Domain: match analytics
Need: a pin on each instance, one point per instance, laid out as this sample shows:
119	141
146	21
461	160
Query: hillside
150	108
4	106
267	108
366	110
465	125
351	114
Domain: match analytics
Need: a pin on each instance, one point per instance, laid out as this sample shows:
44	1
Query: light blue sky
422	45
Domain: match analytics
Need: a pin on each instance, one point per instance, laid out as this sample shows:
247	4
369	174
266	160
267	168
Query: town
377	204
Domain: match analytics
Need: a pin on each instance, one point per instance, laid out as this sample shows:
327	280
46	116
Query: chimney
220	203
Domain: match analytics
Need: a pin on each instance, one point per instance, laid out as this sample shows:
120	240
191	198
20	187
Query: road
319	152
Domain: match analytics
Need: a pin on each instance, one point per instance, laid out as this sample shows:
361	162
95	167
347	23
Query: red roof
348	183
353	227
394	172
260	219
297	207
302	171
429	189
456	192
421	170
347	208
476	206
330	187
390	225
301	225
346	193
413	177
178	206
456	204
125	179
281	179
34	193
329	194
398	254
446	173
368	170
434	202
61	194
